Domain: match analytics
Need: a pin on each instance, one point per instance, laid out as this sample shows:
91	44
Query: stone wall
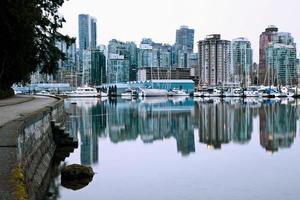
32	150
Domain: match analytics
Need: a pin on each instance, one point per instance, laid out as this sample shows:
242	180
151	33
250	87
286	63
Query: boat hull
153	93
83	96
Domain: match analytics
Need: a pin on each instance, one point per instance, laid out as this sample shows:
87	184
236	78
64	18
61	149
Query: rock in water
76	176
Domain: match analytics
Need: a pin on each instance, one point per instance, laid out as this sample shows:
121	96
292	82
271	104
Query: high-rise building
87	33
94	67
281	60
254	74
145	53
117	47
214	60
67	68
264	40
182	59
93	22
161	55
98	67
118	63
132	50
86	66
193	60
241	61
118	69
185	39
173	56
156	73
153	54
184	46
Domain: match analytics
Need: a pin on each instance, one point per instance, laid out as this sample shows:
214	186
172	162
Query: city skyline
129	21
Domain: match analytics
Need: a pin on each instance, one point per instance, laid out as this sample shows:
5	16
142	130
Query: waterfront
181	148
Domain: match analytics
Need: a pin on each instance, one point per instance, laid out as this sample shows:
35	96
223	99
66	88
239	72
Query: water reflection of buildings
86	120
149	119
278	124
218	122
221	122
153	119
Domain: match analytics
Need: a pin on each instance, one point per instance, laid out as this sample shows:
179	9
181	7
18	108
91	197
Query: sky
132	20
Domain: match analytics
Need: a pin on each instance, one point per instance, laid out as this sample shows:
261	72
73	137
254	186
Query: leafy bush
4	93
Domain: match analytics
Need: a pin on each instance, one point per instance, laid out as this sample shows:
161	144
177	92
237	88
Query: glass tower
281	60
87	33
241	60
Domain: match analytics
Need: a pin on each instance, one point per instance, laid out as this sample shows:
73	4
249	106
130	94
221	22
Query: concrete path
13	108
15	100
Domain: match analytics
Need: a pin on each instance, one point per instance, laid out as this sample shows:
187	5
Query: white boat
85	92
296	91
198	94
176	92
202	94
285	92
126	94
153	92
129	93
208	93
216	93
252	93
237	92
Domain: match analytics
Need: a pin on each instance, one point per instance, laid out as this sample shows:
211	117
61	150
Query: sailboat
152	92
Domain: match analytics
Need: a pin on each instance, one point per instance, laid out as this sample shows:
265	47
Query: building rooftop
240	39
213	36
183	26
272	28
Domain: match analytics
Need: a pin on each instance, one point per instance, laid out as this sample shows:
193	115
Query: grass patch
18	180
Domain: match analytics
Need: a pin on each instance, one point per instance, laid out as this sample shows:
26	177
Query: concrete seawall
26	150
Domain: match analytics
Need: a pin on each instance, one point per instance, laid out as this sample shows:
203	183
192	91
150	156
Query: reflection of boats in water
153	93
253	102
156	100
83	102
105	98
178	99
126	97
230	100
214	100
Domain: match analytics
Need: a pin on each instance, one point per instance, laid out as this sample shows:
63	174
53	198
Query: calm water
186	149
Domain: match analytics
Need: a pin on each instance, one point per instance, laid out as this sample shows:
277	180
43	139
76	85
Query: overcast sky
132	20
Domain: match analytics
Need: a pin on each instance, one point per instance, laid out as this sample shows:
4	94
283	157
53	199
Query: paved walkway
13	108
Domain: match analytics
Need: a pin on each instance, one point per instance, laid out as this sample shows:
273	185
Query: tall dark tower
264	40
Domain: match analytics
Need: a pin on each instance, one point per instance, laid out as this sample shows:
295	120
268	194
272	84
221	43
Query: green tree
27	37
